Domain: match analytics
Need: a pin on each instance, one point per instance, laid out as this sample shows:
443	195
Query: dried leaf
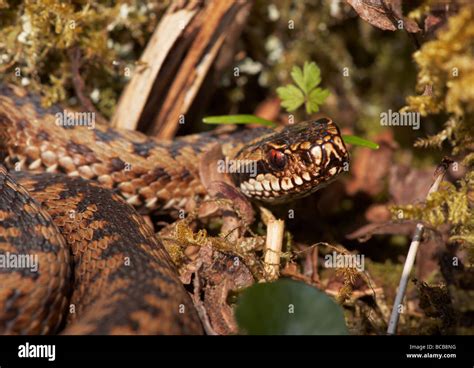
384	14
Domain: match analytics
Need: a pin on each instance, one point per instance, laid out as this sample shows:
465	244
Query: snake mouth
295	162
269	188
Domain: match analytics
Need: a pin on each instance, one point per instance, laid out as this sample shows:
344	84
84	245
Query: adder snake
73	195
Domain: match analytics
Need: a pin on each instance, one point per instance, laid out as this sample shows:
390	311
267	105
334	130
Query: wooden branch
177	100
133	99
177	63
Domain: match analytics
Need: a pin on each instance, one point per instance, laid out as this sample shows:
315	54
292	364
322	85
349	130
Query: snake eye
277	159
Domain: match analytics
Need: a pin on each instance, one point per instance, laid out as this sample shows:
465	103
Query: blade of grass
352	139
238	119
252	119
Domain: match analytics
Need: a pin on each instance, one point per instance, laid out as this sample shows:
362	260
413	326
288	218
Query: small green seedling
305	90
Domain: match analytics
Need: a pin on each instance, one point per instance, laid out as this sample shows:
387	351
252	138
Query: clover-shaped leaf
291	97
304	92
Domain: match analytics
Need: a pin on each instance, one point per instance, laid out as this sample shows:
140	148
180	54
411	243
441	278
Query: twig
200	306
290	270
314	265
410	260
7	66
273	248
74	55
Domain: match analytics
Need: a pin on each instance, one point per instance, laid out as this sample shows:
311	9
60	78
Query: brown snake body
69	199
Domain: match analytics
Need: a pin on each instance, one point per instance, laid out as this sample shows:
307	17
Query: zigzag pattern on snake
73	195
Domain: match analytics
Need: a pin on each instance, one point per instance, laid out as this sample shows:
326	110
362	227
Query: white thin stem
409	262
411	256
273	246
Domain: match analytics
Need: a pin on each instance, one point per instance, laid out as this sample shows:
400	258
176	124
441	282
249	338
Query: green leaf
352	139
308	78
312	76
291	97
287	307
297	76
238	119
315	99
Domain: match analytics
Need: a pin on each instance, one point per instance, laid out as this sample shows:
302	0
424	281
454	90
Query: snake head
291	163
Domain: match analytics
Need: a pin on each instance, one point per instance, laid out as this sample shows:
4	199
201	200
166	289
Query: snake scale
74	196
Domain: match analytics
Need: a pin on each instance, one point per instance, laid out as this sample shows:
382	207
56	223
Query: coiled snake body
72	197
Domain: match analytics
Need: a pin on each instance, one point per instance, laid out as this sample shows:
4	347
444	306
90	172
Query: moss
388	273
36	37
451	204
446	77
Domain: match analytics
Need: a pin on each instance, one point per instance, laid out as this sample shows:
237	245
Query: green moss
451	204
446	70
37	35
387	273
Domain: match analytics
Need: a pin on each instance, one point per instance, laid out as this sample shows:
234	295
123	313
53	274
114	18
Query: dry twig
273	246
